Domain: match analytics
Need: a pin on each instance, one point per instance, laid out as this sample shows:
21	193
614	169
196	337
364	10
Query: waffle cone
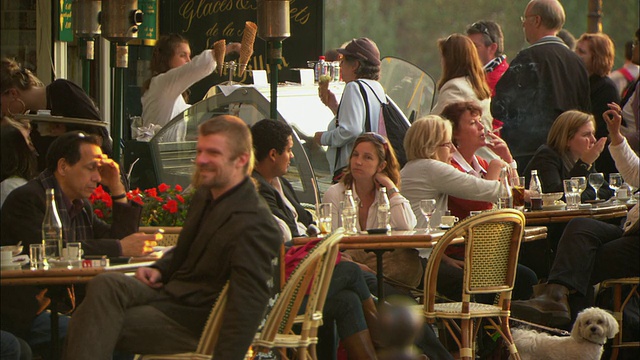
219	48
249	37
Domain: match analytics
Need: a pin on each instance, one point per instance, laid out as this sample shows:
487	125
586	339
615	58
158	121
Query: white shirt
433	179
402	217
163	100
8	185
302	229
628	164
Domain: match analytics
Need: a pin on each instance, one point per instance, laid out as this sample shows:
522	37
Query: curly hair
602	53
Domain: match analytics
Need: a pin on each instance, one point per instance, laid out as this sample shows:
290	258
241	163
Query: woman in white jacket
429	175
173	72
373	164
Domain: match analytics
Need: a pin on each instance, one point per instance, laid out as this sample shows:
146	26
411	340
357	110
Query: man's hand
110	175
613	118
150	277
138	244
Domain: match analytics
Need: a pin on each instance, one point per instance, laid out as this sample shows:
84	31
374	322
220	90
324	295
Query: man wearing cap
360	63
488	39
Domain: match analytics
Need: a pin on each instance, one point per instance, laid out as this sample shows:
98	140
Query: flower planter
170	237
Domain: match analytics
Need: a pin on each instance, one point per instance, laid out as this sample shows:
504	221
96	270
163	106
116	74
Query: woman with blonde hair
463	77
571	150
598	54
429	175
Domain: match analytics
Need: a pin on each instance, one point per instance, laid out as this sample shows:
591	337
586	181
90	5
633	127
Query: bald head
542	18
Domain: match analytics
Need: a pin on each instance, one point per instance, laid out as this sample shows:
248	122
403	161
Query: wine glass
595	181
615	181
428	207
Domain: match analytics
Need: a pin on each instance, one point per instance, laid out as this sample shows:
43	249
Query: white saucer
445	227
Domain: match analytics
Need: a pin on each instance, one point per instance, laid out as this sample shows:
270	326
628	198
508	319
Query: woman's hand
382	179
613	118
495	166
500	147
592	154
329	99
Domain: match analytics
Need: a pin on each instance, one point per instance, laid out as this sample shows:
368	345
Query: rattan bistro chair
315	269
619	305
492	241
209	336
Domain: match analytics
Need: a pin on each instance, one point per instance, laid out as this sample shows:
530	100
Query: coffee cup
448	220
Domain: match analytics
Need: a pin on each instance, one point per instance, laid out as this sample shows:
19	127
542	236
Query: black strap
367	121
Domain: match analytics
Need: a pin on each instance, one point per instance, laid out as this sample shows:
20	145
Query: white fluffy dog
588	335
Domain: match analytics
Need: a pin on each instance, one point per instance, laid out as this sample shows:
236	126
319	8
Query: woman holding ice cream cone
360	63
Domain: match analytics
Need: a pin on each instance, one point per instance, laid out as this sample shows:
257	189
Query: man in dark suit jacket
542	82
75	165
272	143
229	236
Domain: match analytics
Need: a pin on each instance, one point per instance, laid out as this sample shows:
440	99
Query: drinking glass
582	183
595	181
615	181
36	255
324	218
517	190
428	207
571	194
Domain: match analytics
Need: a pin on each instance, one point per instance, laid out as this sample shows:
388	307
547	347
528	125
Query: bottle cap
321	57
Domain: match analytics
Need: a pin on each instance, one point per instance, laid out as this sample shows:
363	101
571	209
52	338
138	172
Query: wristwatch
392	191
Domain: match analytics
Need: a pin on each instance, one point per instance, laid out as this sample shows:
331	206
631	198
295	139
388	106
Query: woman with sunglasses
372	165
429	175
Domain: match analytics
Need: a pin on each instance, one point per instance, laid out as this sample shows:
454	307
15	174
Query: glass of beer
517	190
324	218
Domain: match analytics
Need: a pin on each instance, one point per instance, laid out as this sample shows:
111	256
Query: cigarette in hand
496	130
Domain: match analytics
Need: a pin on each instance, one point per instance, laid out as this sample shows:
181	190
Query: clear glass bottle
321	68
349	214
51	229
505	197
384	210
535	191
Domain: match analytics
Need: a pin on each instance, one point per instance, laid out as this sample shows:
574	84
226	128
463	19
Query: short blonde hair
565	127
425	135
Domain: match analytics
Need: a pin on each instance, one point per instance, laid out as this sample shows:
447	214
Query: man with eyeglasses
543	81
488	38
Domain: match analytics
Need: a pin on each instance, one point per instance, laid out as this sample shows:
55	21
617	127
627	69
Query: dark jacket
543	81
551	173
23	211
279	208
233	238
603	92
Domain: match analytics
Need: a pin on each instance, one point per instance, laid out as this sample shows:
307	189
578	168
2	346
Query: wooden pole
594	16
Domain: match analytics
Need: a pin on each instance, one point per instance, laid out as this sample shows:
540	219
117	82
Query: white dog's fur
590	331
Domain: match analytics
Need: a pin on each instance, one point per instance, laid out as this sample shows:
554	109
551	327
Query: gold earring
24	107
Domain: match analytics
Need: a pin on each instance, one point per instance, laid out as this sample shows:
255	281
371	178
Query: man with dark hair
229	236
543	81
273	143
74	167
488	38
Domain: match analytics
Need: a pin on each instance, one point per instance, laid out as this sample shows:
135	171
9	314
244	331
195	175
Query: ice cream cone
249	37
218	52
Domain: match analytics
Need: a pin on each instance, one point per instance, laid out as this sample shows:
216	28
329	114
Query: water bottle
51	229
321	68
535	191
349	214
384	210
505	197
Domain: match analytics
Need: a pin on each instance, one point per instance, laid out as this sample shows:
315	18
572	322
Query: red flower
163	187
171	206
151	192
180	198
178	188
99	213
